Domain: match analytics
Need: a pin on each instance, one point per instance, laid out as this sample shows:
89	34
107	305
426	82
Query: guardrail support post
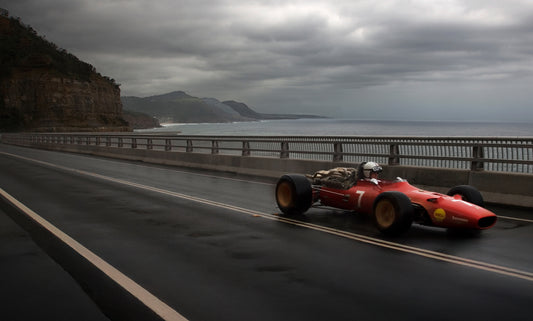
134	142
214	147
337	154
477	158
168	145
394	152
245	148
120	142
284	150
108	141
149	143
189	146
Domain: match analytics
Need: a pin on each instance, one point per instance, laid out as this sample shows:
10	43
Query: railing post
337	154
134	142
168	144
149	143
97	141
245	148
214	147
189	146
394	154
477	158
108	141
120	142
284	150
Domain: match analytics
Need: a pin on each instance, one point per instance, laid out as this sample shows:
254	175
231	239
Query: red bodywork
431	208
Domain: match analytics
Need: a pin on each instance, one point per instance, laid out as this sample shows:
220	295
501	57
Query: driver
370	170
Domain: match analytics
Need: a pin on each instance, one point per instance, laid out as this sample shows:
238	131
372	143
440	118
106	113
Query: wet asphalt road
209	261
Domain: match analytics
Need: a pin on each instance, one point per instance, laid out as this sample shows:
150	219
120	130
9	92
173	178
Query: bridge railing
501	154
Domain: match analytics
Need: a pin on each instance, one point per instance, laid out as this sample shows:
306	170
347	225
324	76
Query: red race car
395	204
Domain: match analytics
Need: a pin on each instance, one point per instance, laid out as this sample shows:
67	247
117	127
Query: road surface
212	246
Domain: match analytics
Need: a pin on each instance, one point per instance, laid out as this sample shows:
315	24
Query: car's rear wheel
468	194
393	213
294	194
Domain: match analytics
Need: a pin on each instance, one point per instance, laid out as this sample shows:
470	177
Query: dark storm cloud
306	56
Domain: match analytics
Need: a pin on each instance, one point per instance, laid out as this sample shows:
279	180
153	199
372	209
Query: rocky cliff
43	88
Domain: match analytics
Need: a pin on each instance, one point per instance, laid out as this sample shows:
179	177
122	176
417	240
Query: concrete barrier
497	187
112	298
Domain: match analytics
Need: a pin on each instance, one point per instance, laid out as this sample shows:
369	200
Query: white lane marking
357	237
152	302
197	174
164	169
515	218
421	252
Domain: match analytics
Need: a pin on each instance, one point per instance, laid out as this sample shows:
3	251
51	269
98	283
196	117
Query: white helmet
371	167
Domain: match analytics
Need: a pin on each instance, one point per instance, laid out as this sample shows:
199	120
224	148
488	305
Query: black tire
294	194
393	213
469	194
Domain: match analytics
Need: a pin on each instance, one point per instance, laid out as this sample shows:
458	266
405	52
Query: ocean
350	127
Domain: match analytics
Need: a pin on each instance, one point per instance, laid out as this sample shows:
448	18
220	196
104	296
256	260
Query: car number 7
361	193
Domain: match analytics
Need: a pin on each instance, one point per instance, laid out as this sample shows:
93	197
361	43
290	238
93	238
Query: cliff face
45	89
40	100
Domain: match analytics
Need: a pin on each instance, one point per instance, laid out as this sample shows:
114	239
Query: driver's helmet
371	167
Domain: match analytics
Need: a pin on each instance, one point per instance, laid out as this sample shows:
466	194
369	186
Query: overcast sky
375	59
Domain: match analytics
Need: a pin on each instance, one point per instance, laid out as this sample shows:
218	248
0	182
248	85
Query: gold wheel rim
284	194
385	213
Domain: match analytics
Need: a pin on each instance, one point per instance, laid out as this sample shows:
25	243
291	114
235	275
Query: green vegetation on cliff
22	47
45	88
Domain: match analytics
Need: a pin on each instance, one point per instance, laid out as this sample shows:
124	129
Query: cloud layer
364	59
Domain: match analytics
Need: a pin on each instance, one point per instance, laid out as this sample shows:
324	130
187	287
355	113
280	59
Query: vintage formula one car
394	204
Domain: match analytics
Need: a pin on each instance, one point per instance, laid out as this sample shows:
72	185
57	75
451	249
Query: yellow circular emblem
439	214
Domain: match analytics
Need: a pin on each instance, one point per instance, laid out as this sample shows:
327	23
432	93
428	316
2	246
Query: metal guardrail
470	153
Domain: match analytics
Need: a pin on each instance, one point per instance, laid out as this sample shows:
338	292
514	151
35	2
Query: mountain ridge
180	107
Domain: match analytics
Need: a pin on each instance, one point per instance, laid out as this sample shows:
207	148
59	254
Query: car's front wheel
393	213
468	193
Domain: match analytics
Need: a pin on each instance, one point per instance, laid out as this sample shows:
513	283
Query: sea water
350	127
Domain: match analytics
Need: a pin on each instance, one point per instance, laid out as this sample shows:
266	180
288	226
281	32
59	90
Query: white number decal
361	193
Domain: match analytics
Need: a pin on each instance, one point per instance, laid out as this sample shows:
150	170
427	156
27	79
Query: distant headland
179	107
